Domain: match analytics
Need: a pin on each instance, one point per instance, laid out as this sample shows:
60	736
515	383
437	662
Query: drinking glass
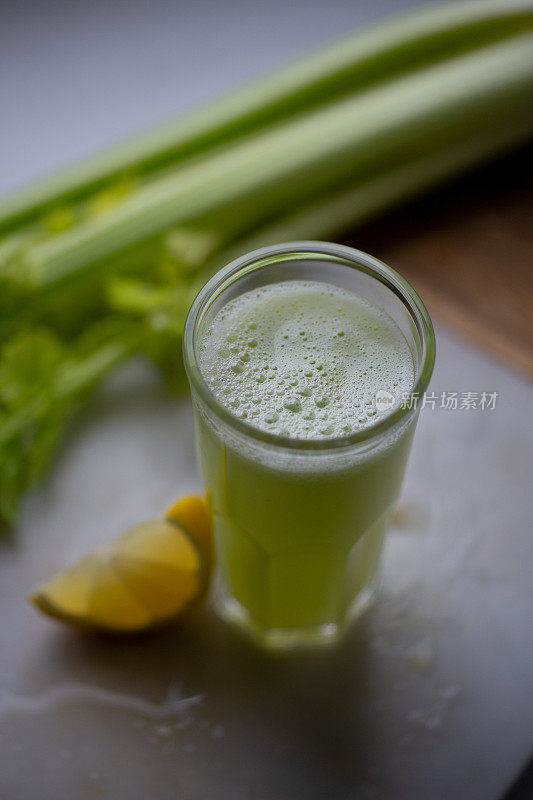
299	523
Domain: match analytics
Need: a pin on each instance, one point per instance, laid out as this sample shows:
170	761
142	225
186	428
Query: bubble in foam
292	404
297	336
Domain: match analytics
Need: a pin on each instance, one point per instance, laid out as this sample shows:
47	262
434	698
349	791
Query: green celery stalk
428	111
362	60
350	206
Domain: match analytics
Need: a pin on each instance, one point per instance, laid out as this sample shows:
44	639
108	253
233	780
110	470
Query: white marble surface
430	696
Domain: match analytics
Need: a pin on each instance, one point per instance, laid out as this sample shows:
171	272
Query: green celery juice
299	532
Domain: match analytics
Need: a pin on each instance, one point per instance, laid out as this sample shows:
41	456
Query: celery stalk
425	112
350	206
411	42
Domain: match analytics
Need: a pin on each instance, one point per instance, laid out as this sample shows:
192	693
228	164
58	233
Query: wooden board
468	250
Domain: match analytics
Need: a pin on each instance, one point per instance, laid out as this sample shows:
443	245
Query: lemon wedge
147	576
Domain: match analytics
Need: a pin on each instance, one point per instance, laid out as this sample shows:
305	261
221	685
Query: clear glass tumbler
299	524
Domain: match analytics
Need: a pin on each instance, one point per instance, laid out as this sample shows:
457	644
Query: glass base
289	638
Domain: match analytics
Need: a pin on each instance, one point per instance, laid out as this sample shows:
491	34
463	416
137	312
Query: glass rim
296	251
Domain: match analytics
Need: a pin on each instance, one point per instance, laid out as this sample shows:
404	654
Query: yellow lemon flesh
192	514
147	576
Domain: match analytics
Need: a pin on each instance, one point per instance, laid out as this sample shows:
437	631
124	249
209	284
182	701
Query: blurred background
431	695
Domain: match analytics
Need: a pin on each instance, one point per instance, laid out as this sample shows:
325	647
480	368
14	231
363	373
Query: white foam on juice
305	359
